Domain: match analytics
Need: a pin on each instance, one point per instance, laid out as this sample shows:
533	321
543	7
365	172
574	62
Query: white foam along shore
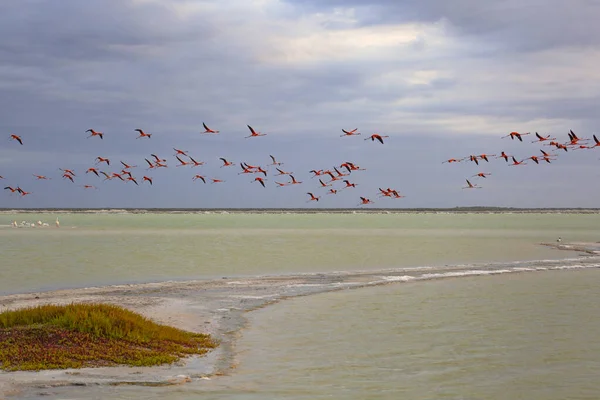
218	307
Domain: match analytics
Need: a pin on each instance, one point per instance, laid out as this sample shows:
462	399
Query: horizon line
284	209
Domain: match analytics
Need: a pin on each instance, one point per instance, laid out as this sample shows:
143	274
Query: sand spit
583	247
218	307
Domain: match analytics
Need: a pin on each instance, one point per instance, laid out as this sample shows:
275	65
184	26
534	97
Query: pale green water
519	336
529	336
100	249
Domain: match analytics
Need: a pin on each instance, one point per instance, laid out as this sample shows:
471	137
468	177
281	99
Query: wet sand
217	307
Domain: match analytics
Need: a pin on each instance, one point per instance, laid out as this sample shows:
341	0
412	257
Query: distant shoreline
455	210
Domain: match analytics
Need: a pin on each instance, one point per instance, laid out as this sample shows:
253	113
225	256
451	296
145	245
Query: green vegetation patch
90	335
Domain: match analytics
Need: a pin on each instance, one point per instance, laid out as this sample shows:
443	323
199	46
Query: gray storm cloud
441	79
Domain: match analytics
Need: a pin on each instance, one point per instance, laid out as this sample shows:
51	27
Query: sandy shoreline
218	307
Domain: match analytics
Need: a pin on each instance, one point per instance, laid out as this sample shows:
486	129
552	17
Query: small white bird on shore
559	240
57	223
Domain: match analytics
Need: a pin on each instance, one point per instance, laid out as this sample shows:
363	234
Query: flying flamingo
127	166
364	200
517	135
245	169
117	175
68	171
389	192
39	177
68	176
471	186
147	178
333	177
542	138
574	139
451	160
260	180
142	134
251	167
376	136
485	157
107	176
199	177
323	184
94	133
274	161
177	152
348	184
259	170
515	162
89	187
225	162
312	197
534	159
339	174
281	172
481	174
181	162
196	163
12	189
546	156
385	193
279	184
102	159
504	155
23	193
208	130
332	191
352	167
253	133
94	170
294	181
557	145
582	147
474	159
350	133
150	164
17	138
158	159
214	180
561	146
347	165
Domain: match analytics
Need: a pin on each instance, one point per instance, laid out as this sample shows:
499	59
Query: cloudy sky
442	79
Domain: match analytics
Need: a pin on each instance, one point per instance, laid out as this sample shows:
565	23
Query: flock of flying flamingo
334	179
574	143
